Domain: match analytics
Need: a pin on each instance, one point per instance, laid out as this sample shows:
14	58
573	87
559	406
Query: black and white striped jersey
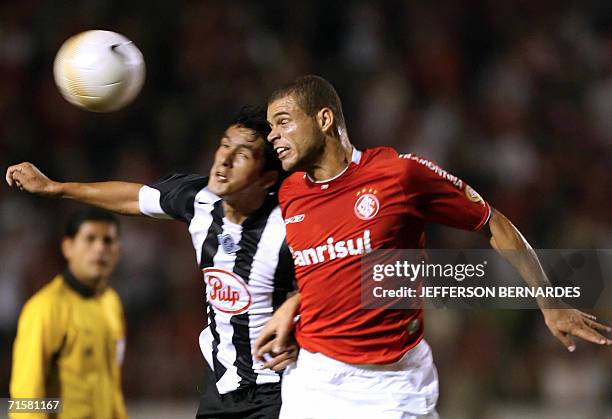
248	271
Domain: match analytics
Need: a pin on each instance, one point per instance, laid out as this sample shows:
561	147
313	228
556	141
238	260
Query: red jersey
381	201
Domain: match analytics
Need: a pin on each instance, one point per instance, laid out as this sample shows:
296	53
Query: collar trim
355	158
77	286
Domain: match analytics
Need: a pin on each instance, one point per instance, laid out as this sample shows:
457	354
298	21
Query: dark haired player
71	333
239	238
342	203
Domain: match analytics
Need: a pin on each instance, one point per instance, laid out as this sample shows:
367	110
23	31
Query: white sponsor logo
226	291
366	206
333	249
295	219
434	168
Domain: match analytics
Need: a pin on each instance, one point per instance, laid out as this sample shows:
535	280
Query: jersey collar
77	286
355	158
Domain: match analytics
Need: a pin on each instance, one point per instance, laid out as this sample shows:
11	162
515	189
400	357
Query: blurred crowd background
515	97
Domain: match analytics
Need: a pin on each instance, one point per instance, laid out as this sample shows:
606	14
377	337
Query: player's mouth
100	263
221	177
282	152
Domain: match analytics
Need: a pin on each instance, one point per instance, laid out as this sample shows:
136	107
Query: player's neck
335	158
91	285
238	208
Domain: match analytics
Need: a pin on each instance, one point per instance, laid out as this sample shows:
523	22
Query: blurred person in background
360	201
71	334
239	238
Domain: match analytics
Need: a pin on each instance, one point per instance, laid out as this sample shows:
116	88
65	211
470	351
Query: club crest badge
472	195
367	204
227	243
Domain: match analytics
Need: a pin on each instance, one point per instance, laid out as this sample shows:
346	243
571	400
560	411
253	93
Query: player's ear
325	119
67	247
268	179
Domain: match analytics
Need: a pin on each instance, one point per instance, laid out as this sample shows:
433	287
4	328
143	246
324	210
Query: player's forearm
120	197
512	246
292	304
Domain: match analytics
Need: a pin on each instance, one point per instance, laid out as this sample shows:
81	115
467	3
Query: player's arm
39	335
120	197
562	322
275	337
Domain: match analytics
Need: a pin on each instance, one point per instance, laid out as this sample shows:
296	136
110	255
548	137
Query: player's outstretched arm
562	322
275	338
120	197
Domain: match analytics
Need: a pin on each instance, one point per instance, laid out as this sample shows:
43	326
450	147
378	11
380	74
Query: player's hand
280	361
567	322
276	334
28	178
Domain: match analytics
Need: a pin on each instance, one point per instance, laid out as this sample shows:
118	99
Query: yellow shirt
70	345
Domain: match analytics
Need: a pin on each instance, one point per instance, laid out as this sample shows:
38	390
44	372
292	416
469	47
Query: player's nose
273	136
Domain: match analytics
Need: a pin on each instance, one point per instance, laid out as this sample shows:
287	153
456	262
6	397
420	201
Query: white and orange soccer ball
100	71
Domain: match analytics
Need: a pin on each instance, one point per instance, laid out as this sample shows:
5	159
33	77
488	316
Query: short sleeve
434	195
172	196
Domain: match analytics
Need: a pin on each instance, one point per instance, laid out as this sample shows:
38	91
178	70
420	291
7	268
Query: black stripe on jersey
209	250
284	276
253	228
177	194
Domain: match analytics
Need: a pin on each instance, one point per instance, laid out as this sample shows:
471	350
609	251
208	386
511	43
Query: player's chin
217	188
289	164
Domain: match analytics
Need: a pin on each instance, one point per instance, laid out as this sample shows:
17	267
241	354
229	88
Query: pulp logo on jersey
367	205
295	219
334	250
226	291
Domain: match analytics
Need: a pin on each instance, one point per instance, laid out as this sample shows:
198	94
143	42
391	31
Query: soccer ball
100	71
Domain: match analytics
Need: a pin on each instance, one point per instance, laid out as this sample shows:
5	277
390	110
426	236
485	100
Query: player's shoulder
112	295
182	180
391	158
385	158
48	298
112	298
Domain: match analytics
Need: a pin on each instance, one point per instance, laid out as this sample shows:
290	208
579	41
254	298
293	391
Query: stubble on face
296	136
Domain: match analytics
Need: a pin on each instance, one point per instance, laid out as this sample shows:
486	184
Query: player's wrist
549	303
55	189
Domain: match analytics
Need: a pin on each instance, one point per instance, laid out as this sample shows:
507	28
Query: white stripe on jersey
266	258
227	341
226	350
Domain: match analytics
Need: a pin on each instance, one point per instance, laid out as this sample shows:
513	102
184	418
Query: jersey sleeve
40	335
171	196
284	276
434	195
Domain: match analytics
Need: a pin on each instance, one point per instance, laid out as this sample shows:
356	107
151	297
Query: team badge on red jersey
472	195
367	205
